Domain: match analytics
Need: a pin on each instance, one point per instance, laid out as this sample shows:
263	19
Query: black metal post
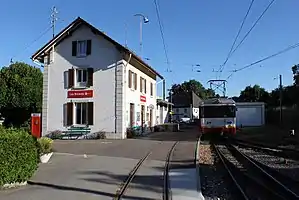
280	99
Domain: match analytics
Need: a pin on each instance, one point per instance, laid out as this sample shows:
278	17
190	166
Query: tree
192	85
295	70
254	94
20	93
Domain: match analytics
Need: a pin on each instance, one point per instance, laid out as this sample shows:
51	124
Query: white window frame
81	84
75	114
81	48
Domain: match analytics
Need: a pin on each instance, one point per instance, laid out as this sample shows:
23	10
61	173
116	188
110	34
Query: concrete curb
197	168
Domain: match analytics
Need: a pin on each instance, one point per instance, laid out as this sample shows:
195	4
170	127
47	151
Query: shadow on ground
77	189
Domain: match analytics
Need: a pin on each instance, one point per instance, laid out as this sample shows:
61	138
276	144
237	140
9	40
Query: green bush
45	145
18	156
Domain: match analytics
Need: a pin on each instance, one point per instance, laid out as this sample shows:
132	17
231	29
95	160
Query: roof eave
74	25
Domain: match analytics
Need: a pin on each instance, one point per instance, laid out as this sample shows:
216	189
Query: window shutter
90	113
145	86
69	116
135	81
130	79
141	84
151	89
88	50
71	78
89	76
74	48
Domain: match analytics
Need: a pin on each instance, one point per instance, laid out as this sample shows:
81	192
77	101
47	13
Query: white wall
180	113
103	58
250	114
133	96
161	114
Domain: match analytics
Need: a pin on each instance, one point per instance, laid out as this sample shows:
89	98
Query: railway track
251	180
120	193
280	151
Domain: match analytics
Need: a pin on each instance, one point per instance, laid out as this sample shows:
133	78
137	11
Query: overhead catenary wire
235	40
162	33
32	42
255	23
263	59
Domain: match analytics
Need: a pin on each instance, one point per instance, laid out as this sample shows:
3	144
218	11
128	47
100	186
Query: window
132	80
80	77
79	113
152	89
219	111
142	85
185	110
81	48
177	111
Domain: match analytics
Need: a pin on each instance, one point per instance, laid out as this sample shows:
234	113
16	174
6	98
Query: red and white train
218	117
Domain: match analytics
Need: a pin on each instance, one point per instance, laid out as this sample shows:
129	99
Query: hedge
18	156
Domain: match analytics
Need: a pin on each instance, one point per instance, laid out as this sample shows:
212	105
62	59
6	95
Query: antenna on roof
54	13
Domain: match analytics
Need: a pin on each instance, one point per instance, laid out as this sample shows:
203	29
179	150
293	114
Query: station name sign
80	94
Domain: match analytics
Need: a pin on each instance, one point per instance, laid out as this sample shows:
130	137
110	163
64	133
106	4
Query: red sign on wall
79	93
143	98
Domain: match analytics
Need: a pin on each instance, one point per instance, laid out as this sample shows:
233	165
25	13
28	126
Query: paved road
70	175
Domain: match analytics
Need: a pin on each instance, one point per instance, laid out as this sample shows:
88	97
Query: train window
219	111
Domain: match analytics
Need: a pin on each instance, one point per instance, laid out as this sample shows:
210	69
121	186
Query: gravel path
214	179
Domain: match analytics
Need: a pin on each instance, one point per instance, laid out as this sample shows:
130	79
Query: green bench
76	131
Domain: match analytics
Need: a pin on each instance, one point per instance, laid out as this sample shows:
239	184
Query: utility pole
280	99
54	13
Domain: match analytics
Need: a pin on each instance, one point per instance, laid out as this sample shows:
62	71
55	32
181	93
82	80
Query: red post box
36	124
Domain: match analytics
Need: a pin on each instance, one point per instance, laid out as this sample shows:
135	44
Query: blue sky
196	32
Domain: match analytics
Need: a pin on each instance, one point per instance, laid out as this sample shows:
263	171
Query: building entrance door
132	115
142	118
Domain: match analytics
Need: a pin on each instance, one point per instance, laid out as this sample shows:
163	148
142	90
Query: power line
239	31
162	33
255	23
263	59
268	57
32	42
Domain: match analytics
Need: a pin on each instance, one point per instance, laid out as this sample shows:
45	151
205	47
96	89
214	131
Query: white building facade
91	80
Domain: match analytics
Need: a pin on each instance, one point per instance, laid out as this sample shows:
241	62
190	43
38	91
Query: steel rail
222	158
284	152
166	188
121	191
274	184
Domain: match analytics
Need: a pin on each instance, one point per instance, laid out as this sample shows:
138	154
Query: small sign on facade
79	93
143	98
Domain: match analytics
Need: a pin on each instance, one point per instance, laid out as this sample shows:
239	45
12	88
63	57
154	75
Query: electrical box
36	125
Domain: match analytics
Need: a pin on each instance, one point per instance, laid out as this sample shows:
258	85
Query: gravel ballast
286	167
214	179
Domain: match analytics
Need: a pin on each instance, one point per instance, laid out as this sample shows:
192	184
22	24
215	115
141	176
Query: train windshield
219	111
